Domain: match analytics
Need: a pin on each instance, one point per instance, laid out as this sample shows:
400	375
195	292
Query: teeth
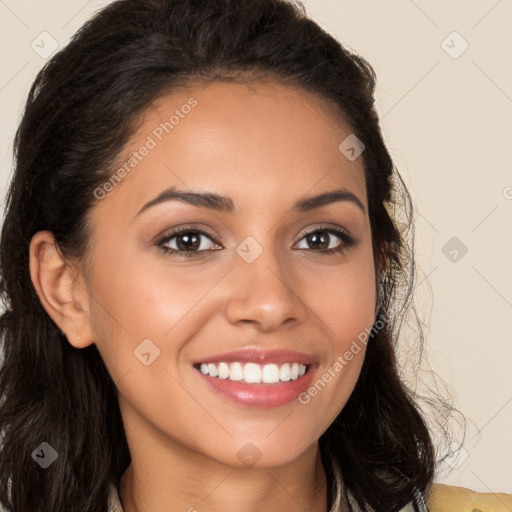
284	373
212	370
223	370
253	373
236	372
270	373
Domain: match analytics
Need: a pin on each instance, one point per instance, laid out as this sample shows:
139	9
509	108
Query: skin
265	146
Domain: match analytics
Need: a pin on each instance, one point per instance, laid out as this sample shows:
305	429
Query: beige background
447	122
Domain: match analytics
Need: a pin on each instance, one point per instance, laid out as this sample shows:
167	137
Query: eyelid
326	227
177	230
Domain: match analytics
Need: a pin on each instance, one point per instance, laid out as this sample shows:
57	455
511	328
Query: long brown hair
81	110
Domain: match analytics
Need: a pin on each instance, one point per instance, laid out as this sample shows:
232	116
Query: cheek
344	297
138	296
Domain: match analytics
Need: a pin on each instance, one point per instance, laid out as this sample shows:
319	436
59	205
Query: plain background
446	114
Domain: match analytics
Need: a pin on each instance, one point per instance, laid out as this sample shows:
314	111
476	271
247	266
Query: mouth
258	378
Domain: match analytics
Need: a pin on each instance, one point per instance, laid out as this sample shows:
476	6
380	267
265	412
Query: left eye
320	236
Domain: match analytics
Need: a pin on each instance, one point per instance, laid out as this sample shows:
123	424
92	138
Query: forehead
231	138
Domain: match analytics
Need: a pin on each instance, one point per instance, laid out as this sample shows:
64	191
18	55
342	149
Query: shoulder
448	498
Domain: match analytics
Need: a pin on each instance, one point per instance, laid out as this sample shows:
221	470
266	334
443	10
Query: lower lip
260	395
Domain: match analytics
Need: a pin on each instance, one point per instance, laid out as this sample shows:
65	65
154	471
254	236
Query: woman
171	341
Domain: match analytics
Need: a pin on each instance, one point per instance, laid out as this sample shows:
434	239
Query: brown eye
321	240
186	242
318	240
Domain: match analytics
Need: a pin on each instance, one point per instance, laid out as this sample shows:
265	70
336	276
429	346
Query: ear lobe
57	285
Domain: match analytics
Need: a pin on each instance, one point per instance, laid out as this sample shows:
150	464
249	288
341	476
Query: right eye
187	243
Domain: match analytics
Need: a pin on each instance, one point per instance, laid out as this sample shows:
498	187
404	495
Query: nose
265	293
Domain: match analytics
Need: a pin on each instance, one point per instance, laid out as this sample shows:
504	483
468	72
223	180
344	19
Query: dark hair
81	111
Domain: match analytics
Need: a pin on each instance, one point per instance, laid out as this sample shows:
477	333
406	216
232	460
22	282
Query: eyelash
348	241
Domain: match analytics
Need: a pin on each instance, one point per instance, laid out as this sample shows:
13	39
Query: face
265	273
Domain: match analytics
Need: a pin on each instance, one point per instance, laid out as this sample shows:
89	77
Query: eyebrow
225	204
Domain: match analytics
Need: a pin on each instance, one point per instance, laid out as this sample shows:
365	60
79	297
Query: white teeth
254	373
284	373
212	370
236	372
270	373
223	370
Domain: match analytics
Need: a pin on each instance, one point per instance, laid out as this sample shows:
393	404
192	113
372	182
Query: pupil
313	238
191	241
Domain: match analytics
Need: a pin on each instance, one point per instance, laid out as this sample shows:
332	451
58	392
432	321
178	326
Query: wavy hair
81	111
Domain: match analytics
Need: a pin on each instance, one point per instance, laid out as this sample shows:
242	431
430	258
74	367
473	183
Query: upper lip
254	355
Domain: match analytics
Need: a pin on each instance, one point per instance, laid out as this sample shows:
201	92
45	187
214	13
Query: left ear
58	287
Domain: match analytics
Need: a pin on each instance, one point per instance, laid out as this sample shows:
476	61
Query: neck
188	486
